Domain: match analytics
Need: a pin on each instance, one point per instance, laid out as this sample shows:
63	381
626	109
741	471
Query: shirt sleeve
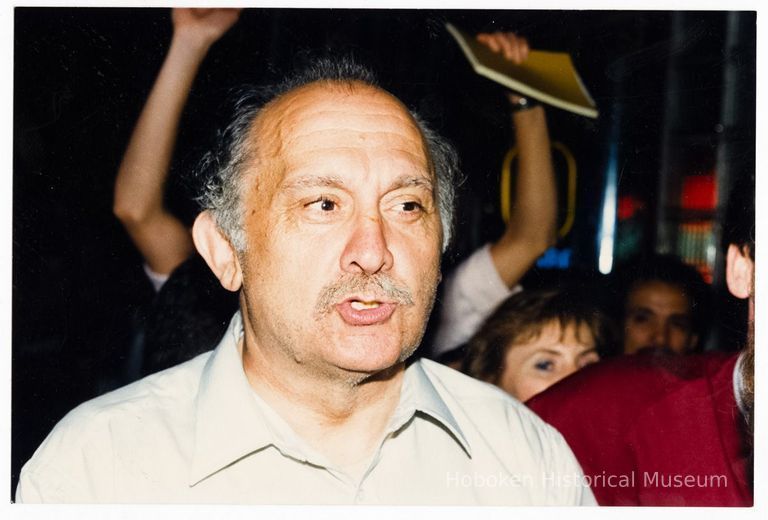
74	464
472	292
37	489
46	483
27	491
157	279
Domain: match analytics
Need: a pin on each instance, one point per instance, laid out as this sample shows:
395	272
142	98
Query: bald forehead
328	95
320	110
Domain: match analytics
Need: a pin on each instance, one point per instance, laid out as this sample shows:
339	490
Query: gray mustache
382	286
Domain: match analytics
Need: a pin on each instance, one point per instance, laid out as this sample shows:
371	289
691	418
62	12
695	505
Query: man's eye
323	204
544	366
681	325
411	206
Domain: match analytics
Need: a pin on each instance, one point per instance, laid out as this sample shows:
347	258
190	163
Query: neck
341	415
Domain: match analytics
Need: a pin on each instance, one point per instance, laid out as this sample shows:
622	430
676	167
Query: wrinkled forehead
329	112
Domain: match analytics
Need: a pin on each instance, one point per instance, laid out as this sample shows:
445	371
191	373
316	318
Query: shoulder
487	409
463	388
504	435
89	436
162	392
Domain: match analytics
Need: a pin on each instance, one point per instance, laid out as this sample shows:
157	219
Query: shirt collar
228	422
419	393
231	421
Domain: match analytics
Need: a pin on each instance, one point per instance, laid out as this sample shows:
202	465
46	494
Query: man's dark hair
222	168
522	317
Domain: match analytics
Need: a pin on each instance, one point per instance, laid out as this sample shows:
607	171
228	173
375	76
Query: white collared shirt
198	433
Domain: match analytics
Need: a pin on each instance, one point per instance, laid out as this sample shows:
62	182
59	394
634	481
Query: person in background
190	310
491	274
670	430
161	237
664	304
536	338
187	317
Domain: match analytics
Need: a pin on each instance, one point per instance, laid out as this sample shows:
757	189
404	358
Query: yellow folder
549	77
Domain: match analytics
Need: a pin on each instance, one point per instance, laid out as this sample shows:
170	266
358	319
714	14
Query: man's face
343	232
658	315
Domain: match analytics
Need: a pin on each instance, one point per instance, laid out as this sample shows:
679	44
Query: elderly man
328	210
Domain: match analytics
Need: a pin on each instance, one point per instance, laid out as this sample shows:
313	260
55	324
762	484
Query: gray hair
223	167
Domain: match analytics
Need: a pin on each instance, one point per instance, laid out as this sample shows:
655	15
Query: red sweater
655	430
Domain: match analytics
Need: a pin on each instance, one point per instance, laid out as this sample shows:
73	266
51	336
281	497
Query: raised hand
514	48
164	241
205	25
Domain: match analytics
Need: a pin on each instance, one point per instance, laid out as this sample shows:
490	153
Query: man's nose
367	250
660	336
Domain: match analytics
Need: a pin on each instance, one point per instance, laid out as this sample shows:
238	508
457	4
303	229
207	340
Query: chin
369	355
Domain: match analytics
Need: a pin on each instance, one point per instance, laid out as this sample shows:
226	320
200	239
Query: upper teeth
358	305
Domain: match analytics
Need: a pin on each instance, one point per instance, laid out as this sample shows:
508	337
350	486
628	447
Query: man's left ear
739	272
217	252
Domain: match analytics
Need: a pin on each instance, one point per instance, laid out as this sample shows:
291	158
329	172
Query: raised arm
162	238
477	286
532	225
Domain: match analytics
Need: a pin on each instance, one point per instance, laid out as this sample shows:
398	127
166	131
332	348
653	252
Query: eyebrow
314	181
405	181
641	308
593	350
551	351
332	181
560	354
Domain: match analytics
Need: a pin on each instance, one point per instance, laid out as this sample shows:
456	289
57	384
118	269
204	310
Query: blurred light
628	206
607	231
555	258
699	192
605	262
711	252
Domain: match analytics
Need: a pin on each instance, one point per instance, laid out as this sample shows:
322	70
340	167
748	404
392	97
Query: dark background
81	77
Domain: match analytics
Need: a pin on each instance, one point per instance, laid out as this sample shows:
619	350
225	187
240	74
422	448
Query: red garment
655	430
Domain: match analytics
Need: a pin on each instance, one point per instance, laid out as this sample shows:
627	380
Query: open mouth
361	305
364	311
